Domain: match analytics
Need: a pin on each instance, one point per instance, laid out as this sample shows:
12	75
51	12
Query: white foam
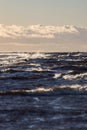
35	64
13	58
56	90
4	70
70	77
33	69
74	87
57	76
24	55
38	55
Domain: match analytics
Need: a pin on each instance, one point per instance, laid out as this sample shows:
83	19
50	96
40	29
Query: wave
62	90
68	75
39	55
77	76
18	58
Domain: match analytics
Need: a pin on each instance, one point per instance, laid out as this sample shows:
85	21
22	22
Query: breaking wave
62	90
47	69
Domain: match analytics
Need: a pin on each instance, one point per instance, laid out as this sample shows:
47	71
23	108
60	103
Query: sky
43	25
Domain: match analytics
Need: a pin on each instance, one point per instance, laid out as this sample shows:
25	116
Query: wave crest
67	90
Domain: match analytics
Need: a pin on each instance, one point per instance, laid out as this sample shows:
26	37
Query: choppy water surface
43	91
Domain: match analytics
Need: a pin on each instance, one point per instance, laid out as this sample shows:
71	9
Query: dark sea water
43	91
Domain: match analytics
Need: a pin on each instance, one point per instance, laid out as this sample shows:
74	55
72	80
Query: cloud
35	31
40	34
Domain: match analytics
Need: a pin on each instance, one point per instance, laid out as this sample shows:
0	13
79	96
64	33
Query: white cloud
35	31
62	36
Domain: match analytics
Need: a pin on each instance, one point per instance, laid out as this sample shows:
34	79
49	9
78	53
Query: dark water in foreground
43	91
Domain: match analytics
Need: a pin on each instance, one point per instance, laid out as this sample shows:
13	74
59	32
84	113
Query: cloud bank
40	34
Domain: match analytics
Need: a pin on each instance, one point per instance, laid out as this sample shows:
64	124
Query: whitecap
57	76
71	77
67	90
39	55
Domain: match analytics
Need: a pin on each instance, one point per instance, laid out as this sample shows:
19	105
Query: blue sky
46	12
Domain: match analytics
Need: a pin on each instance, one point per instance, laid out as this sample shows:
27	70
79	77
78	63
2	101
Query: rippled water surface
43	91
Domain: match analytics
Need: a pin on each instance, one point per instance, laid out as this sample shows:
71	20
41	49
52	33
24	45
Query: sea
43	91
